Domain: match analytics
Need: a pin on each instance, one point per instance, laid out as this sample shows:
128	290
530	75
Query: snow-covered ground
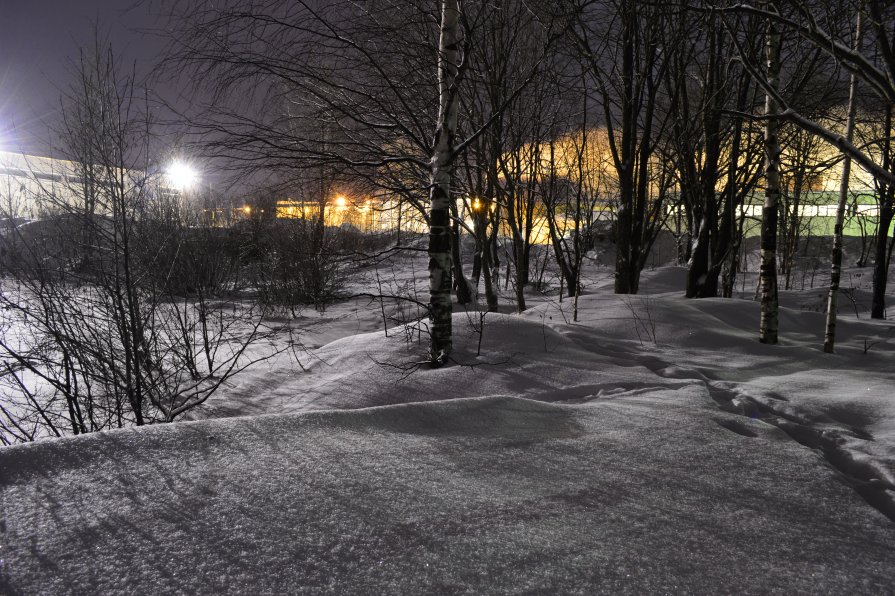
654	446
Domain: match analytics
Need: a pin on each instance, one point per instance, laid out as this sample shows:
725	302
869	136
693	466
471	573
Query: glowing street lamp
181	176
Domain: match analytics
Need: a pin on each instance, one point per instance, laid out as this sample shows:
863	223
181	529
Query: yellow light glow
247	209
340	202
476	205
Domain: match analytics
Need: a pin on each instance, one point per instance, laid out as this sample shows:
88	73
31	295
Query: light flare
182	176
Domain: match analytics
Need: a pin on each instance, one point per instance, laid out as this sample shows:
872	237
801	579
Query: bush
301	264
191	261
68	246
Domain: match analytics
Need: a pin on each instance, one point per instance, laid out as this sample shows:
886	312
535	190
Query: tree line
500	124
515	112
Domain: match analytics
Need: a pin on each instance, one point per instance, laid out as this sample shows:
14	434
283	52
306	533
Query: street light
181	176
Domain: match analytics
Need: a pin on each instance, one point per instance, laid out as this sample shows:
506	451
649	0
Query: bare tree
275	70
768	327
836	258
626	47
713	151
803	163
873	65
440	268
96	337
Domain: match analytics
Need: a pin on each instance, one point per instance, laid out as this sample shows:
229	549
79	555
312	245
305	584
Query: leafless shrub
642	318
107	320
302	263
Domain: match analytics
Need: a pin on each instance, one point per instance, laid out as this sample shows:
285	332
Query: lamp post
181	176
183	181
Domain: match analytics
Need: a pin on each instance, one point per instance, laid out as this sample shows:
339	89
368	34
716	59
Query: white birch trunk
440	186
768	326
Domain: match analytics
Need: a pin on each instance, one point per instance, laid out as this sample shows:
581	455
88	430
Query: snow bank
637	493
653	446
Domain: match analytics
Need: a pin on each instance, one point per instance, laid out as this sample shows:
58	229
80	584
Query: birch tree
270	72
768	326
873	65
449	56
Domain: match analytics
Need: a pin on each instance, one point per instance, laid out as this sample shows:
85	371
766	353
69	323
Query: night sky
39	39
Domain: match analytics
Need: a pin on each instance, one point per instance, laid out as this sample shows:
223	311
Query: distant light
181	176
247	209
340	203
476	205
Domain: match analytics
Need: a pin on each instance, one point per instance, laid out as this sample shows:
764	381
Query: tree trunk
730	234
886	194
625	168
881	264
702	274
440	193
462	286
768	327
793	232
700	261
741	182
836	257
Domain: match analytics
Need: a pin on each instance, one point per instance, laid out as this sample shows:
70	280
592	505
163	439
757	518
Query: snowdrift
564	457
645	493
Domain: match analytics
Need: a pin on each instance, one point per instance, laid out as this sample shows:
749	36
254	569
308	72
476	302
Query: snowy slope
654	446
638	493
636	344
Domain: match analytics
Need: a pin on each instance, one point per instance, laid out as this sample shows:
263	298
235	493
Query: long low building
33	186
30	185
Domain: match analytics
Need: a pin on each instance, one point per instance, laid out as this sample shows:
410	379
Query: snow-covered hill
653	447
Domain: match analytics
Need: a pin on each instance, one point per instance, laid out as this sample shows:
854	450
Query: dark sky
39	39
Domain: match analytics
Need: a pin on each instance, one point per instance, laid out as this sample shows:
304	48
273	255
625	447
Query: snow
653	446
